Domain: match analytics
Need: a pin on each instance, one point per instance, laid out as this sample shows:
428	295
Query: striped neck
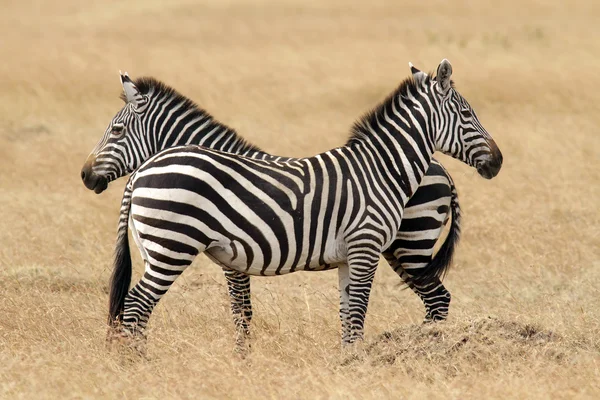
172	119
398	136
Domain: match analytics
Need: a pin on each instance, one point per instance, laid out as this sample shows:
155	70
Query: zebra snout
86	174
490	168
91	180
499	157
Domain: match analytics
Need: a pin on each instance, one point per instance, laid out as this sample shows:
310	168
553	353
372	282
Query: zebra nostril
83	175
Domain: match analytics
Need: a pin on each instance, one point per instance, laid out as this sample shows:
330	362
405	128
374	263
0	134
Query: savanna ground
292	77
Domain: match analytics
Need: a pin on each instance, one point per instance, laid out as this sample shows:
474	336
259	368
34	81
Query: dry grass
292	77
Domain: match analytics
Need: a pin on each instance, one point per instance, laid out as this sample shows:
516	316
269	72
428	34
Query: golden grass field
292	77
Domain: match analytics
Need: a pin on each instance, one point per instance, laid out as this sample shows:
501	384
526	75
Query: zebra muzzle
91	180
491	168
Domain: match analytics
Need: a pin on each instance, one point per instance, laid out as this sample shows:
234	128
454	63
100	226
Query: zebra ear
132	94
443	75
418	76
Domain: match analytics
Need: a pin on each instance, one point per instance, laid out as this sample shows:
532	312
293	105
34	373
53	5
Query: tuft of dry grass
292	77
452	346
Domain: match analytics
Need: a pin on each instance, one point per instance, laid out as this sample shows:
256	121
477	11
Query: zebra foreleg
344	278
238	285
362	264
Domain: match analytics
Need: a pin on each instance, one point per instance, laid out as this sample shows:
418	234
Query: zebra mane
362	127
150	86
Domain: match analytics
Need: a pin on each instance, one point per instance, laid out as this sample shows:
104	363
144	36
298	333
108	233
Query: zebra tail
121	276
440	263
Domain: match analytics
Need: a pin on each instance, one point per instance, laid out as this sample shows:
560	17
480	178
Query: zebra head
458	131
122	148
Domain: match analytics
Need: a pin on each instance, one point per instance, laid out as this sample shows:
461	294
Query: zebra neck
184	123
395	174
399	141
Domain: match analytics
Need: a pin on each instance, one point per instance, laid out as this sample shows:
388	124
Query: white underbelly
234	255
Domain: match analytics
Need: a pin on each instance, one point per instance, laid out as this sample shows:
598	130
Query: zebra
165	118
339	209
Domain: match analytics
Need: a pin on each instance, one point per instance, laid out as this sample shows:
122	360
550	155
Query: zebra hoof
242	351
242	345
436	318
353	347
123	341
353	352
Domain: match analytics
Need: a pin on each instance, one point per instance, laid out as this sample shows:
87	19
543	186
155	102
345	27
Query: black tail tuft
121	276
440	263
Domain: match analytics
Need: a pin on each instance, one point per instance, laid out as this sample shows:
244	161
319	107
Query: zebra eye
466	113
118	129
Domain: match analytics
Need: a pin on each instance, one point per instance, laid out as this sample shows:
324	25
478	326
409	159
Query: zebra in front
339	209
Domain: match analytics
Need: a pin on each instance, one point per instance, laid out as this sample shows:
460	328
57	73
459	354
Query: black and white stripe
339	209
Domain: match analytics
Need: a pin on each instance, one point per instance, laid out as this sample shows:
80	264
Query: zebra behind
156	117
339	209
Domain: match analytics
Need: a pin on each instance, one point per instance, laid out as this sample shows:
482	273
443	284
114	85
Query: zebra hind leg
436	299
434	295
238	285
411	255
129	338
129	329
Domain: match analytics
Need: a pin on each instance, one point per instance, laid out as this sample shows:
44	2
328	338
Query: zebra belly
230	245
234	255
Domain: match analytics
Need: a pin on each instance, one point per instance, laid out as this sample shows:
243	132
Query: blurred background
292	77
